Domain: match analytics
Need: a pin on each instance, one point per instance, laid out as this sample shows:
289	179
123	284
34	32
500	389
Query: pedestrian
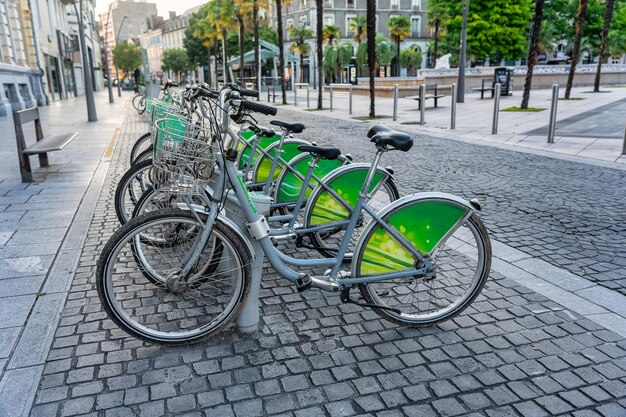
137	76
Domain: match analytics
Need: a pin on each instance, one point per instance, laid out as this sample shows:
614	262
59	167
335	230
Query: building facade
342	12
124	20
174	35
20	72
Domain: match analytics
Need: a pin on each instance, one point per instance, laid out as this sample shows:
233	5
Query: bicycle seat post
277	153
372	171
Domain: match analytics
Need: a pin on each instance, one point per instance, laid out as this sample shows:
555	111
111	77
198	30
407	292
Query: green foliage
197	53
175	60
617	35
336	57
496	29
411	57
300	35
330	33
358	26
399	28
384	51
127	57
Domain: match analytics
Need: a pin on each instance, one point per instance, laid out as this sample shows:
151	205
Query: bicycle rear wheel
140	146
153	310
462	260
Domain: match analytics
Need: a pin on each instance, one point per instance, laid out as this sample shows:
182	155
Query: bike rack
248	319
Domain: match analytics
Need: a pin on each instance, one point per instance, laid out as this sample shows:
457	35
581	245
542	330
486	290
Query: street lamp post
106	57
91	105
117	38
460	94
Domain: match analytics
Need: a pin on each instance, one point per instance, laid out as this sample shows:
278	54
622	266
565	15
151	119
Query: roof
267	50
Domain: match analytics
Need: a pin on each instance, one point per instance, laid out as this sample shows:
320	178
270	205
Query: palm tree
371	53
242	12
399	28
532	51
411	57
281	48
437	15
580	25
330	33
221	18
319	35
358	26
300	45
608	13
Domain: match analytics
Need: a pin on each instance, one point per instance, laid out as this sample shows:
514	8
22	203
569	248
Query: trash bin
503	76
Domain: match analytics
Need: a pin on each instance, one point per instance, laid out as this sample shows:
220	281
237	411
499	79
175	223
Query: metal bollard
422	104
453	111
268	93
331	97
350	100
624	145
307	96
395	102
295	96
496	110
553	106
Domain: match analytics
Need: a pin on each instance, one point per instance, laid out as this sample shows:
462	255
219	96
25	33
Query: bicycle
414	254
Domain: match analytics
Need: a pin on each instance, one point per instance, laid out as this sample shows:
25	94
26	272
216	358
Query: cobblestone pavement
511	353
569	214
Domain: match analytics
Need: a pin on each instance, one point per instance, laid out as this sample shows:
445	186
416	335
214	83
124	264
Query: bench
434	96
482	89
41	147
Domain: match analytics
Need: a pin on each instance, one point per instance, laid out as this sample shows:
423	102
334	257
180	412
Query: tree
496	29
437	16
399	28
127	57
580	26
411	57
385	51
371	53
175	60
319	22
300	45
533	49
330	33
358	26
335	57
608	13
243	9
281	47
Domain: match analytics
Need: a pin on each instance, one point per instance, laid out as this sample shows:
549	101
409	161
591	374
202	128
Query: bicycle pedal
303	282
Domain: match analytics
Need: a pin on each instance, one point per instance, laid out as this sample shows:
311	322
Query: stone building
125	20
341	12
174	35
20	72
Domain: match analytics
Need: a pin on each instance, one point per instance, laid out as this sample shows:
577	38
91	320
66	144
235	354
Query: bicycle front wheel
462	260
140	146
130	189
153	310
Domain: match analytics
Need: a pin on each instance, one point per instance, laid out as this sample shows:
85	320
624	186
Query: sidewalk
591	127
42	229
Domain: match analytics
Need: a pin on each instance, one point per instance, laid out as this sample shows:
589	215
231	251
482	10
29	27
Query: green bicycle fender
263	143
289	151
290	186
422	223
328	209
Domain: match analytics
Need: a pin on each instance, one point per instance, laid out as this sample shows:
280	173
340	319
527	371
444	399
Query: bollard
268	93
553	106
453	111
395	102
331	97
350	101
307	96
496	110
422	104
295	96
624	144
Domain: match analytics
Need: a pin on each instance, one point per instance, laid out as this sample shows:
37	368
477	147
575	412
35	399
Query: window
329	19
328	4
289	23
303	20
394	4
349	19
415	27
416	4
350	4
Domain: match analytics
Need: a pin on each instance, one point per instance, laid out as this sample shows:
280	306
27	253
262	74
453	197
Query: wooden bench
482	89
41	147
434	96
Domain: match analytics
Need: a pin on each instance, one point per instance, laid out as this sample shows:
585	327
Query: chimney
172	15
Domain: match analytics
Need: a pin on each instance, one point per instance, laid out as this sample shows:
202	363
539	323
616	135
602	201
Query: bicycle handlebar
258	108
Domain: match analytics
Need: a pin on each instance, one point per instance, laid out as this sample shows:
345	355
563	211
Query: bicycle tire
140	146
130	188
142	105
427	296
135	103
347	181
148	310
